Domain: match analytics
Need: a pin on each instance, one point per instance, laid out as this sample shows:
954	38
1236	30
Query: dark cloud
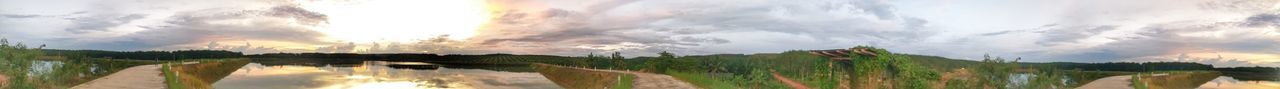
195	27
100	23
1262	20
18	16
687	25
302	15
1184	37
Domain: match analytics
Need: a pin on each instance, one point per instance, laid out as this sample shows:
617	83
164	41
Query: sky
1225	33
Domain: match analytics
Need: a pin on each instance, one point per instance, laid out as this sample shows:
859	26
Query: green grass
1178	79
576	78
66	71
1136	82
171	79
702	80
624	81
202	75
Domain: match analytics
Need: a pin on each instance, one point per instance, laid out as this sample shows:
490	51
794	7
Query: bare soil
653	81
137	77
4	81
1113	82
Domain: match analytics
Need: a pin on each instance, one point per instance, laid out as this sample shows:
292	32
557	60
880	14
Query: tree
618	62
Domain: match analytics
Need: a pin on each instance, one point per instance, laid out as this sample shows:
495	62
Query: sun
402	20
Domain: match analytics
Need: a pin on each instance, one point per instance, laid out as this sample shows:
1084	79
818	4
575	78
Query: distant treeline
1252	73
1125	66
945	63
147	55
500	59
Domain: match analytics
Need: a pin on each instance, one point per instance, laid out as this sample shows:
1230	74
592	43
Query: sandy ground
654	81
1113	82
4	81
137	77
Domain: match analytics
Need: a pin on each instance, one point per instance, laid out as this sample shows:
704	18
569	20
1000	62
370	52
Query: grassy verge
171	78
201	75
1178	79
576	78
1136	82
702	80
624	81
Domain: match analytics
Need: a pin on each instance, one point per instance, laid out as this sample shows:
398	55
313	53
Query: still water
1225	82
377	75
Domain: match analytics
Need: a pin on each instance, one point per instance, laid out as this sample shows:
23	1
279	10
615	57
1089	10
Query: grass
202	75
702	80
577	78
624	84
1137	83
1178	79
18	63
171	78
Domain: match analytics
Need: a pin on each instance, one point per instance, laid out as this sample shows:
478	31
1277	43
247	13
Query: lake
279	74
1225	82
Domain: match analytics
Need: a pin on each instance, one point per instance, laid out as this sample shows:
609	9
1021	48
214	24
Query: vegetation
41	68
576	78
170	78
201	74
148	55
1137	83
1252	73
880	70
1176	79
29	68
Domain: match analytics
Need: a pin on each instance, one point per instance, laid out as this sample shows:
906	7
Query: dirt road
137	77
4	81
653	81
1113	82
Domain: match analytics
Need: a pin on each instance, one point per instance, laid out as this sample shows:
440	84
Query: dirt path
1113	82
137	77
653	81
4	81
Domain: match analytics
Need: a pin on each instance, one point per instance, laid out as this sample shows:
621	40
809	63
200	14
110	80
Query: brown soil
791	83
4	81
1113	82
654	81
137	77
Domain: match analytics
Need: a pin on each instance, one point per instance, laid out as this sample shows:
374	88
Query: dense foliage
149	55
1252	73
29	68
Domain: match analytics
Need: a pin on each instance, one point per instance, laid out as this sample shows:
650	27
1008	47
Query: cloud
18	16
1270	20
688	26
100	23
1164	41
195	27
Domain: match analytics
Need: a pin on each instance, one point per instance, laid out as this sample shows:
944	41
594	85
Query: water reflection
376	75
1225	82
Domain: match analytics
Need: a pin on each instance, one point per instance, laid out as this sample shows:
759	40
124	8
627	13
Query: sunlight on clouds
401	20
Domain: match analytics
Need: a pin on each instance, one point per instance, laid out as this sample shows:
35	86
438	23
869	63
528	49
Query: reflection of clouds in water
377	76
488	79
257	76
1225	82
